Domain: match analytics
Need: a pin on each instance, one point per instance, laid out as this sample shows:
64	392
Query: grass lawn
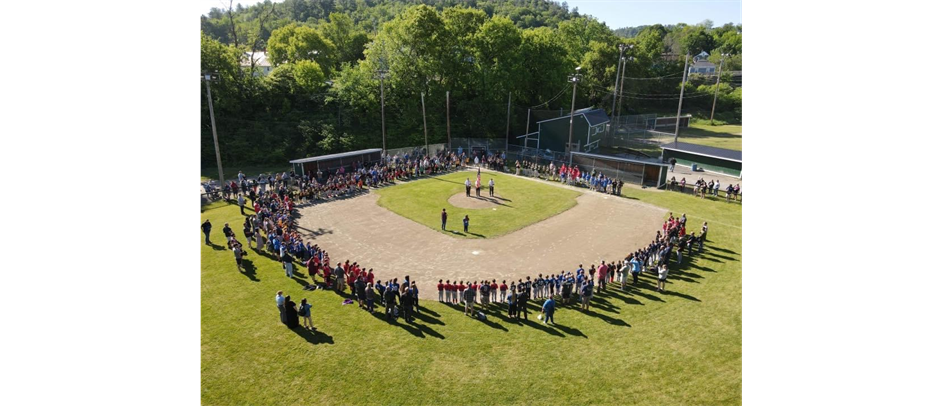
679	348
720	136
212	173
526	203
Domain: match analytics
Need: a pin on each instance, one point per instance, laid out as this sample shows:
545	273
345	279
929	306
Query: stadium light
214	77
716	88
574	78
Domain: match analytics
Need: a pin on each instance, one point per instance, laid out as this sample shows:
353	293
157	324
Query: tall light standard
621	95
214	77
382	99
574	78
618	76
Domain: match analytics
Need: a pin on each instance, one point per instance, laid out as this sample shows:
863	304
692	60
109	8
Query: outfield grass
525	203
252	171
719	136
683	347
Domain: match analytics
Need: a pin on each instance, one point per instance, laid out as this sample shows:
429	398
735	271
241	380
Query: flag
477	183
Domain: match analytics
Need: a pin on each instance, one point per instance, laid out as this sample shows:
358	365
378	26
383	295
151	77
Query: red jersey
462	287
441	287
369	278
503	286
474	286
494	286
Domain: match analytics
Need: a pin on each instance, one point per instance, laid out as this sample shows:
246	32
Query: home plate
475	252
494	208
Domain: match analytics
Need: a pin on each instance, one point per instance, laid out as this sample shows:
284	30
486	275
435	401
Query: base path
600	227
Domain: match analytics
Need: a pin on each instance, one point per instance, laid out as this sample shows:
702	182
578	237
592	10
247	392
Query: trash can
693	167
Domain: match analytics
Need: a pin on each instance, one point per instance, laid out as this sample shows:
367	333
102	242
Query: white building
701	65
262	66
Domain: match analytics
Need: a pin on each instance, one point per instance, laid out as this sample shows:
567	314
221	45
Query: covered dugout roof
652	161
712	152
336	156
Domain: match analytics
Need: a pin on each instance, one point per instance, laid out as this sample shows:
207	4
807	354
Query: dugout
331	163
588	126
637	170
711	159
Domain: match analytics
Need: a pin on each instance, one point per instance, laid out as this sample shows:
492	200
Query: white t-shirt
662	272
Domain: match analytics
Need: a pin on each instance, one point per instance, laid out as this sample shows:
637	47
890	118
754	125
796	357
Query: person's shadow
249	270
314	337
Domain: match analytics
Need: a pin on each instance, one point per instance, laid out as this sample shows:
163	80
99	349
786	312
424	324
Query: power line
546	103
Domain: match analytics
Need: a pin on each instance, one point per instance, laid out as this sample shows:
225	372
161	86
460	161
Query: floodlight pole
382	98
448	117
621	95
212	119
507	137
683	84
425	125
621	54
574	78
717	87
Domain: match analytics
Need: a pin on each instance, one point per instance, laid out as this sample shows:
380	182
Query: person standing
258	240
441	291
370	298
280	302
237	250
206	227
549	307
445	217
503	290
603	277
703	232
586	294
467	187
305	312
661	277
493	290
288	264
522	302
360	289
415	296
407	305
512	302
623	274
635	270
673	162
389	296
241	201
291	313
466	221
468	296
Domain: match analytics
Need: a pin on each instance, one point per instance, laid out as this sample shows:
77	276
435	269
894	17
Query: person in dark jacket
390	297
522	303
360	288
207	227
291	313
407	305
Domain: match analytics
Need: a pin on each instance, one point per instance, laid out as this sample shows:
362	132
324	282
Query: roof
703	62
712	152
336	156
653	161
260	57
593	116
596	117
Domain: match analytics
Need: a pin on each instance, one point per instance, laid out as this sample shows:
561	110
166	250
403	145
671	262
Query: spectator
206	227
661	277
549	307
445	218
468	296
305	312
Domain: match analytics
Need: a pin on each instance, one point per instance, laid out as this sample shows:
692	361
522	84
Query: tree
346	37
294	42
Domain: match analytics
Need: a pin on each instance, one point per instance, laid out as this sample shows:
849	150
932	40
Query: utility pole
448	116
680	106
575	79
528	123
621	96
213	77
425	124
509	96
382	94
716	94
621	59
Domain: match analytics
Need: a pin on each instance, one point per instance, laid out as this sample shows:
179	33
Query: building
702	67
262	65
587	129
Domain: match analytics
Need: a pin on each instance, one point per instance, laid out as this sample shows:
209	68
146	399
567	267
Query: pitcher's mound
474	202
